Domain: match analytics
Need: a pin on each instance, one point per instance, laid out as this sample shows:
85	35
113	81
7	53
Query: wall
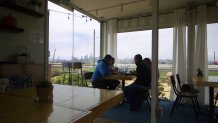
9	42
165	20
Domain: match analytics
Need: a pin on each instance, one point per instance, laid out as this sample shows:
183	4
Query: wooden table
77	98
122	77
20	110
211	83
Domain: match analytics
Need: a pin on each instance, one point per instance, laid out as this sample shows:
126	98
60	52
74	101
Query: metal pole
214	59
72	45
155	19
94	50
46	42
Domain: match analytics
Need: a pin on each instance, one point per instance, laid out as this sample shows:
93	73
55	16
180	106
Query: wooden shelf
21	9
11	29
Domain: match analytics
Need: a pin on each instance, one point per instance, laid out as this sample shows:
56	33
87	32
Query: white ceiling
108	9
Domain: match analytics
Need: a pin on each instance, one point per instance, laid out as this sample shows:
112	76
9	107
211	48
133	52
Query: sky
61	33
61	38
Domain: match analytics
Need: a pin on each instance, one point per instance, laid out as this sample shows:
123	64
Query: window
212	46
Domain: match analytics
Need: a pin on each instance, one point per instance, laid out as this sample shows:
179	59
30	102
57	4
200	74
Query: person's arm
115	70
103	69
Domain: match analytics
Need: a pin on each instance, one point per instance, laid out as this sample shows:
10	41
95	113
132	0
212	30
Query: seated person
136	91
102	69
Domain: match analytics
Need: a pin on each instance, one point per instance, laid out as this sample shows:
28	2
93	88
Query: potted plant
199	74
44	91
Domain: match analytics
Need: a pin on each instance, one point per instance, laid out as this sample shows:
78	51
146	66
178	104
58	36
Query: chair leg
194	107
196	102
70	79
149	106
64	78
178	103
174	105
79	83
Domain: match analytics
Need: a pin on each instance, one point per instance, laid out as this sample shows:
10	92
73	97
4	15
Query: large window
131	43
212	45
72	37
140	42
72	34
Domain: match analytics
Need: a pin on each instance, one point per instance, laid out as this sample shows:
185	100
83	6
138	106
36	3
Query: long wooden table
122	77
211	83
20	110
76	104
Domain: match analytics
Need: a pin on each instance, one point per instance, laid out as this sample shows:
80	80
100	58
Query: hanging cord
74	15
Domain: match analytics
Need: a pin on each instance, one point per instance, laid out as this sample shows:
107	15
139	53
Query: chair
180	86
146	97
77	69
180	95
72	68
67	70
86	77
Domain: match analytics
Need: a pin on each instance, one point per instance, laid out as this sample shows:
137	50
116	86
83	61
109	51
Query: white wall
10	41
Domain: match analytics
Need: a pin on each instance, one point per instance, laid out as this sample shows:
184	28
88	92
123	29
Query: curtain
201	59
109	41
179	46
191	46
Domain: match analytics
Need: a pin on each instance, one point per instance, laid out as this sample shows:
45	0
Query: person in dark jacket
102	69
136	91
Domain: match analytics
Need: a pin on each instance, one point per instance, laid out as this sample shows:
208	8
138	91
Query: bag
186	87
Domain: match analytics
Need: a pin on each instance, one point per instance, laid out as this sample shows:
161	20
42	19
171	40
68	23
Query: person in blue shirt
102	69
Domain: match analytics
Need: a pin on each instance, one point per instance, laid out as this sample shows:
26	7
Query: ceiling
108	9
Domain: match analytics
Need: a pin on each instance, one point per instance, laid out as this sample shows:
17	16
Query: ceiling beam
117	5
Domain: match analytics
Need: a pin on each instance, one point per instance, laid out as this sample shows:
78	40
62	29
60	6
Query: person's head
112	61
147	61
107	59
137	59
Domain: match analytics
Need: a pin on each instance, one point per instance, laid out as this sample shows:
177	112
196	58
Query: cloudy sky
129	44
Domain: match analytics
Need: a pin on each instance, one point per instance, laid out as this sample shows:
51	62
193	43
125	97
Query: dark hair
107	57
147	62
138	57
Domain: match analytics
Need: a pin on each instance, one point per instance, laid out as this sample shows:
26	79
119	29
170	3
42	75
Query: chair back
67	67
77	65
179	81
173	82
87	75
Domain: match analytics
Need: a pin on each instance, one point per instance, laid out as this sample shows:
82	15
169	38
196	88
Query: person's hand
132	72
115	69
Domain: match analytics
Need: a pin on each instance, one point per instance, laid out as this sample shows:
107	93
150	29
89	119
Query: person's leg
132	97
112	84
99	84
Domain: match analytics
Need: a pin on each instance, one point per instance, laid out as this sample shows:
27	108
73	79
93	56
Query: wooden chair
180	95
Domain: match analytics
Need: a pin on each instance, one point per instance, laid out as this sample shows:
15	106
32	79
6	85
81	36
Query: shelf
11	29
21	9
